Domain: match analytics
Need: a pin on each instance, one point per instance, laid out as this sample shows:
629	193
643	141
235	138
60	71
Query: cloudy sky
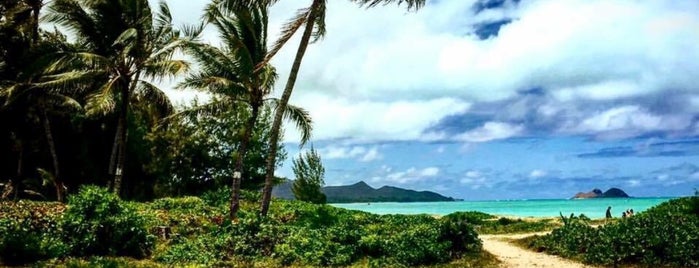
500	99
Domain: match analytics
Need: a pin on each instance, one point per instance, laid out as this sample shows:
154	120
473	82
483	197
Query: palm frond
300	117
288	31
268	77
170	68
212	108
102	102
150	94
412	4
70	81
213	60
243	4
71	60
62	102
164	16
319	22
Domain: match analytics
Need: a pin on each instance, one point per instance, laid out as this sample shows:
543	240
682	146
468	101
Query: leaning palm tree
229	73
123	46
313	21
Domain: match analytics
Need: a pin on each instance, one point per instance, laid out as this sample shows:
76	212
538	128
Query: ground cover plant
665	235
98	228
484	223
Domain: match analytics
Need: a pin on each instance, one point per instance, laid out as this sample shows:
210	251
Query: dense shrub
471	217
97	222
461	234
665	235
485	223
29	232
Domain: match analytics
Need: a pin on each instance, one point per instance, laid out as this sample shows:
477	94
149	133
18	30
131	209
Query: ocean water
593	208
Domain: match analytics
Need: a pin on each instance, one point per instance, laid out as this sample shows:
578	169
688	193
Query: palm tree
313	18
229	73
123	44
39	102
20	92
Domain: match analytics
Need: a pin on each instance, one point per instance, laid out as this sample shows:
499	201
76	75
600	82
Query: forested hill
361	192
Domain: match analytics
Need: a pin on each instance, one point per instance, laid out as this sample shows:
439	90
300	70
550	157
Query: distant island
361	192
597	193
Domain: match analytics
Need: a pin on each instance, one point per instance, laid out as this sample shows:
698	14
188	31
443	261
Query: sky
498	99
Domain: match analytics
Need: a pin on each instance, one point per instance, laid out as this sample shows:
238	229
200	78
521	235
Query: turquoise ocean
593	208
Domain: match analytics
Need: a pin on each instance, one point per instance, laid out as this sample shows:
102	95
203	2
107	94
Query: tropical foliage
309	172
665	235
295	233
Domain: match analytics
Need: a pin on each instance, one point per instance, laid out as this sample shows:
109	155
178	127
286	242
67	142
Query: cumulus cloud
627	121
410	175
537	173
474	180
491	131
375	120
394	82
360	153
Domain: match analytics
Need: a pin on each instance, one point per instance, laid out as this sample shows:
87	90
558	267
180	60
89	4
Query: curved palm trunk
238	171
122	134
16	183
57	182
36	8
279	112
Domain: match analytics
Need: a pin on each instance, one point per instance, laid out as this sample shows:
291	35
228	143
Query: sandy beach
512	256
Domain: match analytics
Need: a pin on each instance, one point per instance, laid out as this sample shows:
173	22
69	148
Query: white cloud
537	173
473	174
392	82
411	175
372	155
491	131
429	172
633	183
475	180
552	44
626	121
374	120
360	153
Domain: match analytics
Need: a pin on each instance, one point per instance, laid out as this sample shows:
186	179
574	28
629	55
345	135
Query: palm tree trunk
57	182
123	135
18	179
279	112
36	8
238	171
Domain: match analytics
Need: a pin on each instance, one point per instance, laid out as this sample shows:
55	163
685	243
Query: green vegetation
485	223
309	172
665	235
194	231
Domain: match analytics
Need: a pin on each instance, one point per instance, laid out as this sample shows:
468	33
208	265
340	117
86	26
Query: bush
471	217
665	235
461	235
98	223
29	232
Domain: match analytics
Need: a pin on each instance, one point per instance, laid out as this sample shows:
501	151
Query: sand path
512	256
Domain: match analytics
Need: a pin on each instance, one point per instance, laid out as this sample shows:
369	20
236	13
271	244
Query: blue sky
500	99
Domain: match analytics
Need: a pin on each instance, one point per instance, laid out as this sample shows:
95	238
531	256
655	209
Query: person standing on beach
609	212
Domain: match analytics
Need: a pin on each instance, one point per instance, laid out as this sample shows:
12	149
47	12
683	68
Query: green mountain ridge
362	192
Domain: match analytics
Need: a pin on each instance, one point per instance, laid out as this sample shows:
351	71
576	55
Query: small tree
309	172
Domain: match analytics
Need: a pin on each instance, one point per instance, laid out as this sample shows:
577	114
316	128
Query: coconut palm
123	46
313	21
229	73
20	88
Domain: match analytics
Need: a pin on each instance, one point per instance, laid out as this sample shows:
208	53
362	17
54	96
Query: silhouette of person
609	212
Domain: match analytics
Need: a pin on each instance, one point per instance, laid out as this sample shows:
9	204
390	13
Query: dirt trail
512	256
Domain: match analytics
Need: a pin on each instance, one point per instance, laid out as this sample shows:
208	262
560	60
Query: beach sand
512	256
